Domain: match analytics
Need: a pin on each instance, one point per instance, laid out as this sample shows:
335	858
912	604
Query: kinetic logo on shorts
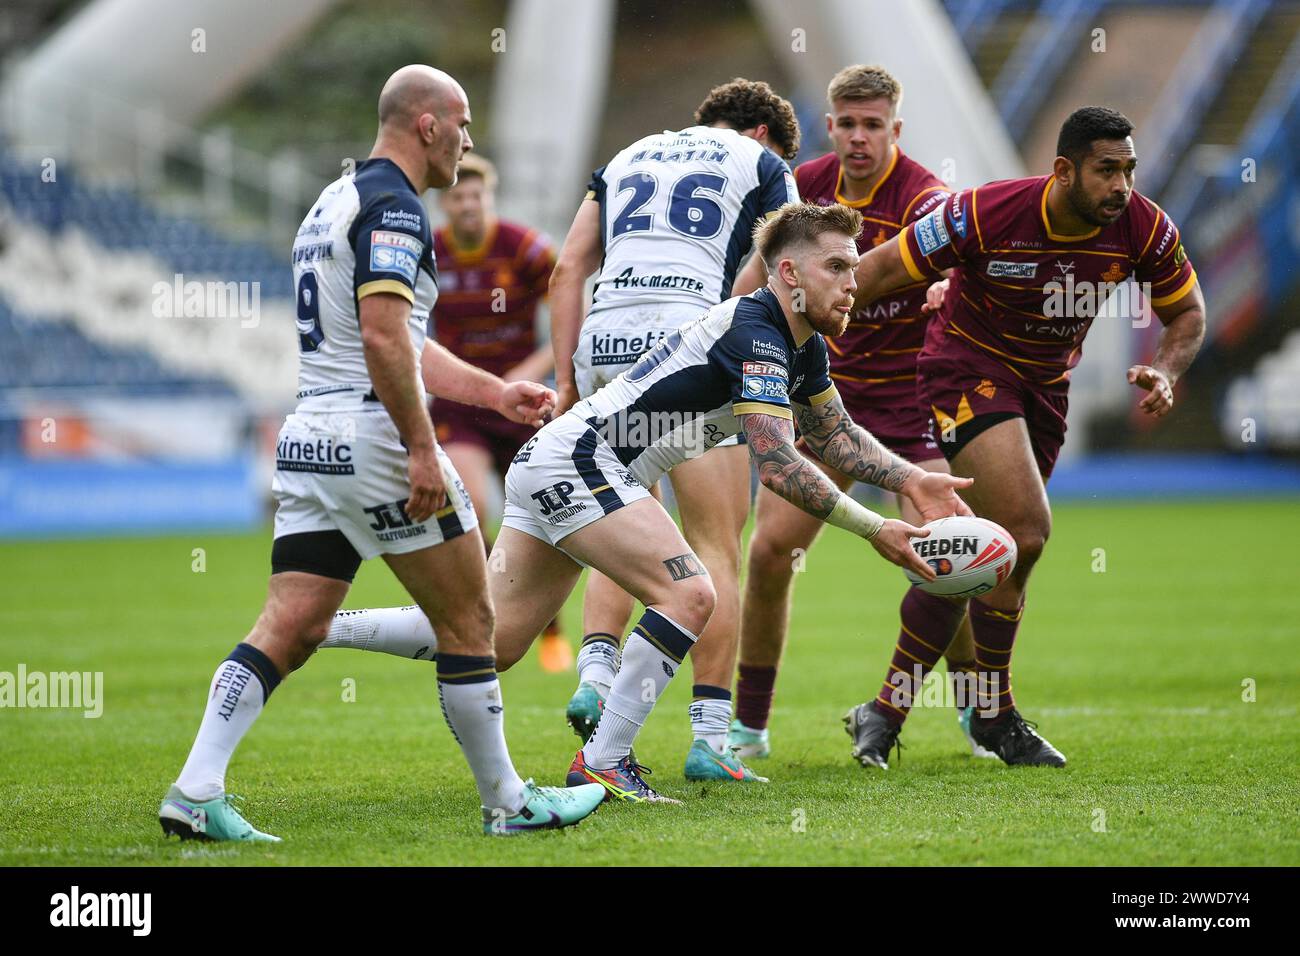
322	457
619	348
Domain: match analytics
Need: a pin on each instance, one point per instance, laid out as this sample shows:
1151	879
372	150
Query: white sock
651	656
711	718
235	698
401	631
471	702
598	662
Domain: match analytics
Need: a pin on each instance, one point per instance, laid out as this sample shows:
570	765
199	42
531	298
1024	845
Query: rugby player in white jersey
578	492
359	475
666	223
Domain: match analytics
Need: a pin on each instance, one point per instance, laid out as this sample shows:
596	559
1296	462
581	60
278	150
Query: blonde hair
860	82
797	223
472	164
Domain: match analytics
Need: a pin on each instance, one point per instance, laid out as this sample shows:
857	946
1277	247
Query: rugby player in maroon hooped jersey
873	365
492	274
995	372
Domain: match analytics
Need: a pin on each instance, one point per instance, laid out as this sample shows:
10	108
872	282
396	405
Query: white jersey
677	215
683	397
367	233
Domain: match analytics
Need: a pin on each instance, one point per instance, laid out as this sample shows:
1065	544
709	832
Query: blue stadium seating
45	354
118	220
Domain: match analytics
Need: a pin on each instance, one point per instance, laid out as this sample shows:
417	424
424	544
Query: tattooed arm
849	447
783	470
789	474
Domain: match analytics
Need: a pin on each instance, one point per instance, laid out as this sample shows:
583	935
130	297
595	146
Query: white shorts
347	471
612	340
564	478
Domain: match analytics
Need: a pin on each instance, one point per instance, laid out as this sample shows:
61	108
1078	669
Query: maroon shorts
959	384
482	427
896	418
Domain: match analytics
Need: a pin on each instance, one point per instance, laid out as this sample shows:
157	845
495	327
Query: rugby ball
969	555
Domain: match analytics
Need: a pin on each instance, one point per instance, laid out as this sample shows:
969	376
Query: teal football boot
207	819
702	763
963	721
584	710
547	808
747	742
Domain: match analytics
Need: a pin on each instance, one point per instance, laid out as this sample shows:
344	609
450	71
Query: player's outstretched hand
935	495
428	487
526	402
934	297
567	397
1160	393
894	543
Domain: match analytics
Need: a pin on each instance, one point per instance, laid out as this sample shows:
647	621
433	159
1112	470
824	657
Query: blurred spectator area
87	255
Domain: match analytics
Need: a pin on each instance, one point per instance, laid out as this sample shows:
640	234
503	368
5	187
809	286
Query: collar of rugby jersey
772	305
376	160
871	196
469	255
1056	237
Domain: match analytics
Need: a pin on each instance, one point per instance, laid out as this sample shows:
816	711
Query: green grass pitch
1135	672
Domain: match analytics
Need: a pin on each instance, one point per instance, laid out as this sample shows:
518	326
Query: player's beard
1090	212
832	322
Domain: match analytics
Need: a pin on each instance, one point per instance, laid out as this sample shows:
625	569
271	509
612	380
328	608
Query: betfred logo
763	368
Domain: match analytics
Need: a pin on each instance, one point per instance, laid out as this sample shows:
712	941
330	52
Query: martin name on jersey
707	185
